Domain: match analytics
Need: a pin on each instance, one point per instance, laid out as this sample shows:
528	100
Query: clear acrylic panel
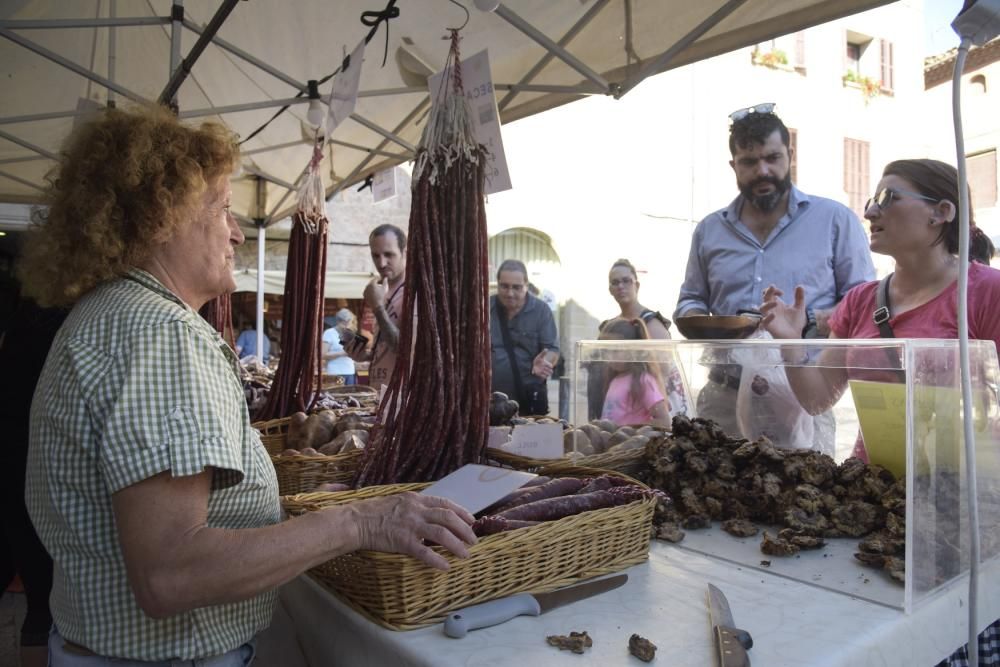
904	394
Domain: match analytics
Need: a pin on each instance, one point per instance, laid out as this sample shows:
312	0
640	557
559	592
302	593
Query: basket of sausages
319	448
550	533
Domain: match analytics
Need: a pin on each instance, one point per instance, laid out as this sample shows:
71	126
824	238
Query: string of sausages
298	380
434	416
219	313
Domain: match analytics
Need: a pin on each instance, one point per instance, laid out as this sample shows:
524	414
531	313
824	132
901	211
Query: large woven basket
300	473
629	461
400	593
273	433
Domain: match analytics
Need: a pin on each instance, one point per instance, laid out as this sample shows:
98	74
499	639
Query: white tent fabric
339	284
543	54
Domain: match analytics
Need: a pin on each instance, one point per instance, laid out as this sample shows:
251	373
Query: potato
353	444
328	487
331	448
308	451
349	422
317	429
580	440
635	442
294	439
605	425
627	430
650	431
618	437
290	452
336	446
594	434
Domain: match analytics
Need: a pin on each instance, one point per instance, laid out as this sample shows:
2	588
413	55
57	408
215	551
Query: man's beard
767	202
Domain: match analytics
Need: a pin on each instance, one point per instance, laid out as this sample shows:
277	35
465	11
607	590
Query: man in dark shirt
523	339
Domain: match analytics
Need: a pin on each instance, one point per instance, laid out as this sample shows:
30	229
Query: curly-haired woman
146	482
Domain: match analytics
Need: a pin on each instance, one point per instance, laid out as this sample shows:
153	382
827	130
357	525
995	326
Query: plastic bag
765	403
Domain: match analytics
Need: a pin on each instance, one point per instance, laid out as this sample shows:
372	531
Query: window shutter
886	63
983	179
793	144
800	49
856	174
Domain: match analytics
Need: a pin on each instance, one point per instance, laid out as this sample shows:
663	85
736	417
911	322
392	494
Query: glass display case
896	400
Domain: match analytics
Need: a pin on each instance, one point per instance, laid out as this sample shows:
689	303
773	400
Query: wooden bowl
716	327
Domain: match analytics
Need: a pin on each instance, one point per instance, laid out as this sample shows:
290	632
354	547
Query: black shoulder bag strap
881	318
509	346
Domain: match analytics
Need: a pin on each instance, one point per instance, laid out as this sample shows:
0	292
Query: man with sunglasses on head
523	339
771	234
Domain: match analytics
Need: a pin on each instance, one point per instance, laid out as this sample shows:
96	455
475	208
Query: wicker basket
629	461
401	593
273	433
300	473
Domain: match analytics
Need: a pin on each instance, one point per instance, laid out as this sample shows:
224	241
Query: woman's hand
782	320
404	522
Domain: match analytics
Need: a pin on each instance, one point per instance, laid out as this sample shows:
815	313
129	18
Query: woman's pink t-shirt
618	405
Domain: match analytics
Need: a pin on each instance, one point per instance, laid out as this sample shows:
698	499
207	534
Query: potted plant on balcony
774	58
869	87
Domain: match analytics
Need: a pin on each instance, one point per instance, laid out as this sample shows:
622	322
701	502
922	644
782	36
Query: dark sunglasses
885	198
740	114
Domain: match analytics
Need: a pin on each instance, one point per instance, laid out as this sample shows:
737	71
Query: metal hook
464	9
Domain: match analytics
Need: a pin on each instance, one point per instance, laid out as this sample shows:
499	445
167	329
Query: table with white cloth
792	622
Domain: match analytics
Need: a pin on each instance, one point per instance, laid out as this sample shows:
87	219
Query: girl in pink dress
634	393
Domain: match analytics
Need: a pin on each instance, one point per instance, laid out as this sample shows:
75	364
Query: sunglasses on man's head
740	114
885	198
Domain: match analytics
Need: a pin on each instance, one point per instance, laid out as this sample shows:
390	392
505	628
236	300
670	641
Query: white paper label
498	437
384	184
476	487
478	82
344	95
536	441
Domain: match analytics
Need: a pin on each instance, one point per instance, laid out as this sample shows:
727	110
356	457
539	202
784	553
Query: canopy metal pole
248	106
51	115
50	24
681	44
178	75
547	58
72	66
385	133
18	179
261	239
263	175
176	23
240	53
27	144
112	52
537	35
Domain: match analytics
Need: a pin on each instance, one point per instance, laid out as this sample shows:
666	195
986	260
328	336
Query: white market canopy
59	60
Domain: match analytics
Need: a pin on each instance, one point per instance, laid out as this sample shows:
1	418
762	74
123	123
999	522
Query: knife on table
731	643
494	612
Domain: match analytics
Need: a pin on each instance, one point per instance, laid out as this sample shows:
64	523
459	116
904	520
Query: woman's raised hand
782	320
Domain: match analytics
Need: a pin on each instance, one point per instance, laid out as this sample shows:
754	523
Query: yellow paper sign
881	408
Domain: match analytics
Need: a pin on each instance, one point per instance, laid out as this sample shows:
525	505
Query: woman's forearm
816	387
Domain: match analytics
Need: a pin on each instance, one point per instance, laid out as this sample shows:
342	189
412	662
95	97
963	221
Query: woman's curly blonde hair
125	183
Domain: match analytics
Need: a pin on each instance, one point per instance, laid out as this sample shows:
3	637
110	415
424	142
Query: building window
853	57
982	170
886	65
856	180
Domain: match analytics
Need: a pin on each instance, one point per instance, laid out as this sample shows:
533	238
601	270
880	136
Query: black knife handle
732	644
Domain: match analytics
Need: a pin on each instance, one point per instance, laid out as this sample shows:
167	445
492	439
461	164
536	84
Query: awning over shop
339	284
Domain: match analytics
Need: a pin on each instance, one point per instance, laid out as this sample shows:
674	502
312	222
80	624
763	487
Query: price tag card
476	487
536	441
479	94
498	437
384	184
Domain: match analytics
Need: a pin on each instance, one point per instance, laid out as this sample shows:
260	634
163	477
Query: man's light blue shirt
819	244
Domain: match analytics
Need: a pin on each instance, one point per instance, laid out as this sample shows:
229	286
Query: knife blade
494	612
731	643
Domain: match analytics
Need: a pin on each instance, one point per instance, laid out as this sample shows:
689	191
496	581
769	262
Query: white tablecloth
792	623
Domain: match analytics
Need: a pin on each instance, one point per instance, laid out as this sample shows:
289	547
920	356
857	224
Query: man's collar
150	282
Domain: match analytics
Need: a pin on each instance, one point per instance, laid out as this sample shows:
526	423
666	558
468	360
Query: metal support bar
23	158
275	147
264	176
72	66
582	89
180	74
656	65
48	24
365	149
261	243
417	110
27	144
18	179
176	30
288	192
112	51
240	53
537	35
249	106
30	118
378	129
547	58
381	92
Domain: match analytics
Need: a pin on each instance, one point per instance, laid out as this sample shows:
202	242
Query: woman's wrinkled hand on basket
404	523
784	320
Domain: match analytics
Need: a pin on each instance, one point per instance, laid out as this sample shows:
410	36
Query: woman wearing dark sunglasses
914	219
